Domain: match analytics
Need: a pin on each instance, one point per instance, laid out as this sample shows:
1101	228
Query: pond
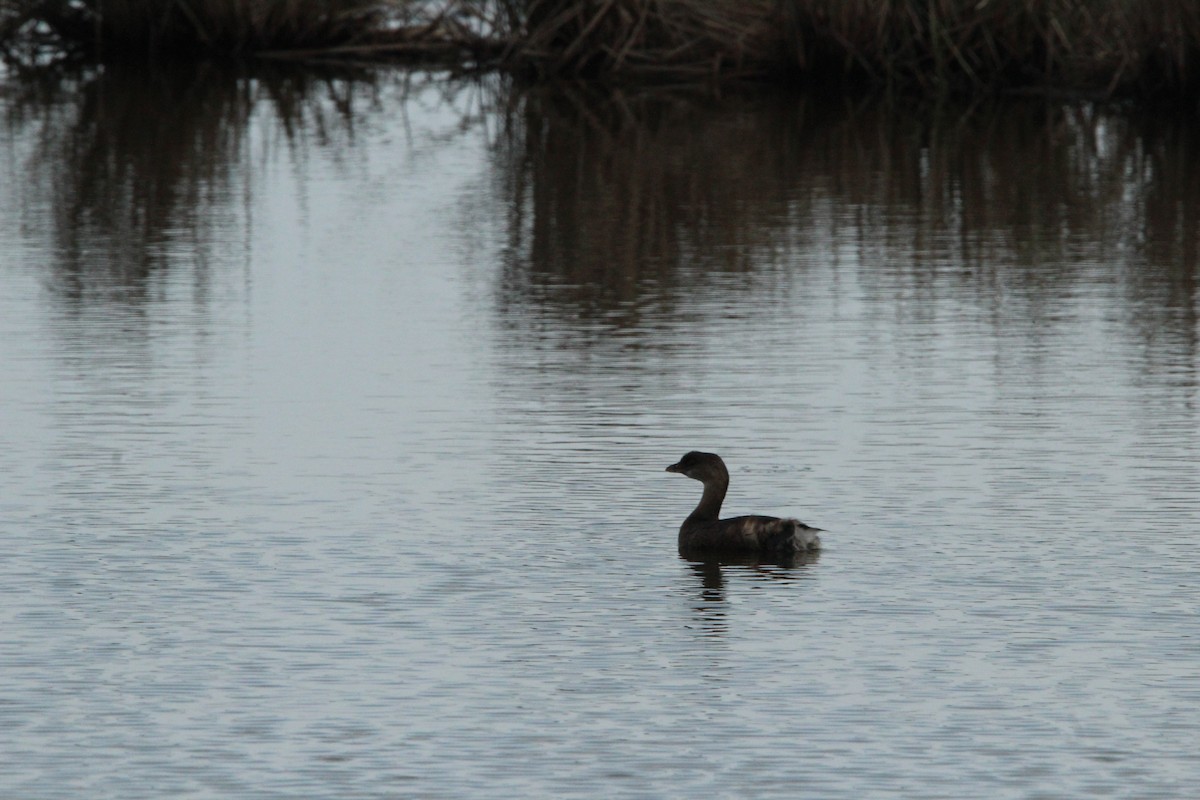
337	406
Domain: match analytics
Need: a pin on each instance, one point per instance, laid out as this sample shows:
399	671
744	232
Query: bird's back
751	533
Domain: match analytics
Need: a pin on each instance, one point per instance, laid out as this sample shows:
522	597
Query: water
336	409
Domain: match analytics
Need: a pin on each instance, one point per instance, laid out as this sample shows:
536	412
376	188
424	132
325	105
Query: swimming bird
704	530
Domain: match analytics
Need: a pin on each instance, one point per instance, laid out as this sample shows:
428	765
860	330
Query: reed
140	28
1074	45
665	39
959	45
1090	46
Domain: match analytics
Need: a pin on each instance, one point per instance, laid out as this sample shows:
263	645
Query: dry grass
958	45
1095	46
137	28
646	38
1089	45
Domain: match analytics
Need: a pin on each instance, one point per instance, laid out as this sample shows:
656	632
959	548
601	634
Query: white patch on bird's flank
807	539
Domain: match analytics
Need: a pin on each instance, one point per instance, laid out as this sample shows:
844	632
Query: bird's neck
709	509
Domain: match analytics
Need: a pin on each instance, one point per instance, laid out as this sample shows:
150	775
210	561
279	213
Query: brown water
336	407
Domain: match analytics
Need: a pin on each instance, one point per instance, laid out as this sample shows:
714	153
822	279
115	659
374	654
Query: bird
705	531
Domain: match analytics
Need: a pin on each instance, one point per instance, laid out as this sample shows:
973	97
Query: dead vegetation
1079	46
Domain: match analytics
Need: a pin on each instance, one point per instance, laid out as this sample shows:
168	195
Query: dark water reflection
712	611
623	200
336	408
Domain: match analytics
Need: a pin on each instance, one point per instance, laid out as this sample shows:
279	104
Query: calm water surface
336	408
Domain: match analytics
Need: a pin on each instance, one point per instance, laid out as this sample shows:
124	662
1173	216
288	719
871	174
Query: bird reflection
712	610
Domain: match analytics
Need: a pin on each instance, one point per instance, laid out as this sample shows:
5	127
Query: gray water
336	409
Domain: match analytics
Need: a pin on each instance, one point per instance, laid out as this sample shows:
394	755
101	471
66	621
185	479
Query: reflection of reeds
141	168
615	193
625	200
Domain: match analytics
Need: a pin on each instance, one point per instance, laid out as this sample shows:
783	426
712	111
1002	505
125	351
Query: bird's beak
674	468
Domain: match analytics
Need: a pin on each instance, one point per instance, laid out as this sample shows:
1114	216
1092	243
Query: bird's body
705	531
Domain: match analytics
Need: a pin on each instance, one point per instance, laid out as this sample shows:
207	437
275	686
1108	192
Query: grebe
704	530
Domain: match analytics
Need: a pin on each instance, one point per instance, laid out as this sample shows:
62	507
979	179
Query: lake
337	405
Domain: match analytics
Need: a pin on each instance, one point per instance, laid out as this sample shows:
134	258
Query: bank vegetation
1102	47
